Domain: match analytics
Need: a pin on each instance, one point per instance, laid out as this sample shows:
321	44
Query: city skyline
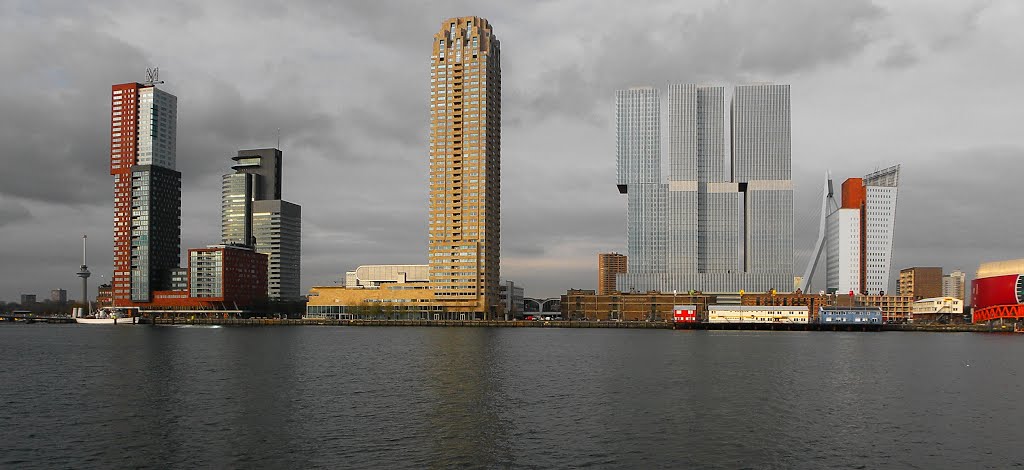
865	95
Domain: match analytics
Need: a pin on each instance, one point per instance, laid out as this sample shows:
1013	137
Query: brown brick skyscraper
465	167
608	265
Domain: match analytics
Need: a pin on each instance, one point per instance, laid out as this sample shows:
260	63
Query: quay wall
580	324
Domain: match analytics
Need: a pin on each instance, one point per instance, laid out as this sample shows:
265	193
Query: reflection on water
466	395
303	397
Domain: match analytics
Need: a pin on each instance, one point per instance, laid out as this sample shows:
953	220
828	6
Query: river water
340	397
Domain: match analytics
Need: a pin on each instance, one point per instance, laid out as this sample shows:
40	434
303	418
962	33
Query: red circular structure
998	297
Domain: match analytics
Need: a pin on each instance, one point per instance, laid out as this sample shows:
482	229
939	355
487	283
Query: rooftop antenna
153	76
279	138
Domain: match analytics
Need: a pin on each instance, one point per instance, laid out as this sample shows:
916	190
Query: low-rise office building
232	275
104	296
833	315
650	306
813	302
59	296
756	314
895	308
938	309
379	292
512	299
921	283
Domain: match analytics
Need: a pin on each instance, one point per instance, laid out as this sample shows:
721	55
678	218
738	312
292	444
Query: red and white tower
147	190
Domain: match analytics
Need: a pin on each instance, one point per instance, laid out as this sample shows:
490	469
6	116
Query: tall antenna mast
279	138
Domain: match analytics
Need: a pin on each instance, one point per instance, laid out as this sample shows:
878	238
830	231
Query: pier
27	318
658	325
576	324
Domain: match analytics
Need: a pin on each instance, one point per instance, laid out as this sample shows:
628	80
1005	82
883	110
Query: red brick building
230	275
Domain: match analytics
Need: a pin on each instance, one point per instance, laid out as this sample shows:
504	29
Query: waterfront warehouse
850	315
756	314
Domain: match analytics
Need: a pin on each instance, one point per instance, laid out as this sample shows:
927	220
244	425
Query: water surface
104	396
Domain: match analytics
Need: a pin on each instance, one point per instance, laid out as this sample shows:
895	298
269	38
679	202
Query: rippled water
97	396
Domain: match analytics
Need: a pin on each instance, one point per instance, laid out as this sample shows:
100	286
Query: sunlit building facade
609	266
953	285
465	167
880	226
873	198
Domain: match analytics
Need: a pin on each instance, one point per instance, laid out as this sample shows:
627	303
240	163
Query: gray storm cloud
873	83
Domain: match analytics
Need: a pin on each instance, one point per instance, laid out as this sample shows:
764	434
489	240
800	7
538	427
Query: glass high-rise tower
147	191
719	223
465	167
253	214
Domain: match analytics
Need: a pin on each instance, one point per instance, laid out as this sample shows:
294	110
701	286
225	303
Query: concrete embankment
410	323
579	324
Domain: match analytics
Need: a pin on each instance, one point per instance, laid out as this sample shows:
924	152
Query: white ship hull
105	321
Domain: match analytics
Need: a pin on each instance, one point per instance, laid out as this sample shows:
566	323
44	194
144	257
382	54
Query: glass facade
157	128
712	227
206	271
236	208
277	228
147	191
253	214
638	155
155	229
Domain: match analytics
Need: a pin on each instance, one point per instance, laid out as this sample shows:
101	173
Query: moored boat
105	316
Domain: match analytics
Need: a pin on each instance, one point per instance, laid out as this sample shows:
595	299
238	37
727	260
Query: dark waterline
105	397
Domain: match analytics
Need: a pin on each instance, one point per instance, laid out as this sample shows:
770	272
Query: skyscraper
236	209
953	284
638	172
860	233
465	167
843	273
880	224
609	265
253	214
719	224
147	191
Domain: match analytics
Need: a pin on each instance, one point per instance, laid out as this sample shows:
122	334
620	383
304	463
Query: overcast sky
935	86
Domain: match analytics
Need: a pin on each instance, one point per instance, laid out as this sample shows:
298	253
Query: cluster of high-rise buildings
719	225
860	232
258	257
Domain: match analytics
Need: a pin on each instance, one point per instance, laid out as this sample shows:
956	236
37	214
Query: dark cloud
12	212
346	82
731	41
54	120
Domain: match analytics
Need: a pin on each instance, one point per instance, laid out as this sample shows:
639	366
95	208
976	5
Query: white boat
105	316
106	321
